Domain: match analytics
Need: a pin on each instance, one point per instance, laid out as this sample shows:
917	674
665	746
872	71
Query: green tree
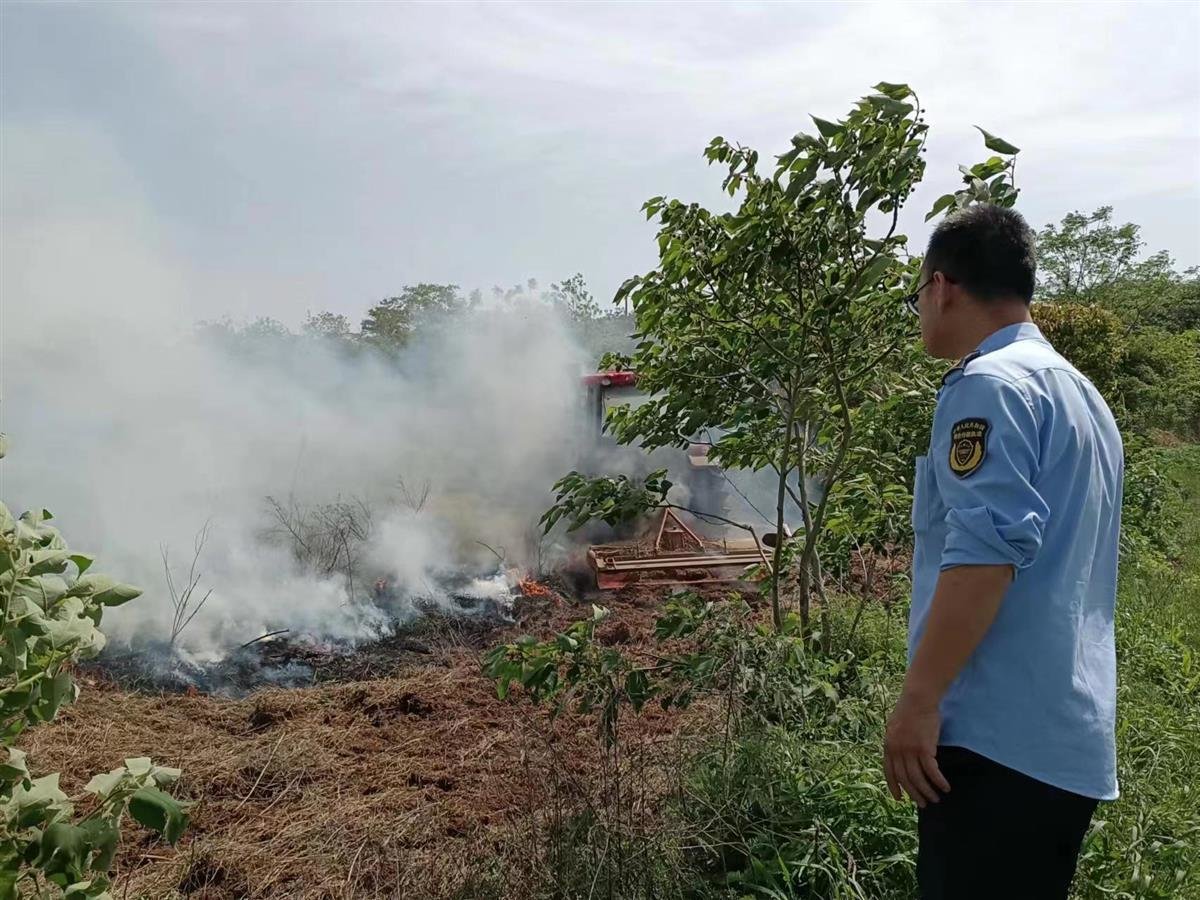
1085	255
1090	337
333	326
1086	259
392	322
778	326
1158	386
575	300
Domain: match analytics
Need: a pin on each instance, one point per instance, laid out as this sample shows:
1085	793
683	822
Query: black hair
987	249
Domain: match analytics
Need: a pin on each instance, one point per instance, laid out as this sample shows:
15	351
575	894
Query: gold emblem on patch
968	446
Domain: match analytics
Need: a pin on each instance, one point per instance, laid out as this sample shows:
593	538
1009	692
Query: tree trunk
780	500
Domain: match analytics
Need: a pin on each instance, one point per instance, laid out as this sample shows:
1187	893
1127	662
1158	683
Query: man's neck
996	316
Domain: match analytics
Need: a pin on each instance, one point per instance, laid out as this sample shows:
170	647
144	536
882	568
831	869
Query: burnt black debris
456	617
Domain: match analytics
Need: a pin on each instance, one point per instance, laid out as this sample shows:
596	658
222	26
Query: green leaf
998	144
103	784
887	104
626	287
82	561
42	794
827	129
55	691
895	91
103	836
940	204
63	850
159	811
637	687
139	765
15	769
45	562
801	179
91	583
117	595
875	271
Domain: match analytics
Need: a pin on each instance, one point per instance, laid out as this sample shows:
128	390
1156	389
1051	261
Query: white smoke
135	432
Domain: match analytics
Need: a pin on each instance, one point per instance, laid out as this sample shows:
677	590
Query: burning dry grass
394	787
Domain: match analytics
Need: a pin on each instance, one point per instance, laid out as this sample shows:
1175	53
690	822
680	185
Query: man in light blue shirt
1004	733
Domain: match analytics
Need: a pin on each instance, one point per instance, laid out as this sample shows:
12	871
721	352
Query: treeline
397	322
1131	324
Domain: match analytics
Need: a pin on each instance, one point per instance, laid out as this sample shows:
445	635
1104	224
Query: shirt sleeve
985	454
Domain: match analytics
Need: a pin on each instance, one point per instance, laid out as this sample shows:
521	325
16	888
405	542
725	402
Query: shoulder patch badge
968	446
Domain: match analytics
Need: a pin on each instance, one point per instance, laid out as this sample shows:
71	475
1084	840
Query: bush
786	816
1158	382
1090	337
51	605
1147	844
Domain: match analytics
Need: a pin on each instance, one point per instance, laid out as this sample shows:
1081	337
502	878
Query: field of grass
420	783
800	810
1147	844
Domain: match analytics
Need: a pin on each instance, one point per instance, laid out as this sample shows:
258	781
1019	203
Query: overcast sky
295	157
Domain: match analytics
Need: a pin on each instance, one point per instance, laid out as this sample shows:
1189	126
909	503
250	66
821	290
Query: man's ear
940	293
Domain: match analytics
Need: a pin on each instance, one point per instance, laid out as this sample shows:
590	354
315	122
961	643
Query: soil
397	774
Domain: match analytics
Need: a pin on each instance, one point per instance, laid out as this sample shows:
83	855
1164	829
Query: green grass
791	811
1147	844
809	819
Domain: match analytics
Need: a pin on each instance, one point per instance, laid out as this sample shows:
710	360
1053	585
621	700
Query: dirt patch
400	786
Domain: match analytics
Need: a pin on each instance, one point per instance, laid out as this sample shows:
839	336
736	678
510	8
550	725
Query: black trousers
998	834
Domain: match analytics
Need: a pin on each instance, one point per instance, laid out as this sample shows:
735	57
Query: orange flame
531	588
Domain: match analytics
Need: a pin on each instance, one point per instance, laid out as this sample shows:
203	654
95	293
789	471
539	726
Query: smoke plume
137	430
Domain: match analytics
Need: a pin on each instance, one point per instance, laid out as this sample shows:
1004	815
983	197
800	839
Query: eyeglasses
910	300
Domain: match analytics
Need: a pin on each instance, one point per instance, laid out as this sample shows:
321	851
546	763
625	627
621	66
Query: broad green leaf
895	91
139	765
63	850
90	889
161	812
103	835
83	561
164	775
881	101
998	144
943	202
55	692
14	769
827	129
117	595
875	271
103	784
91	583
43	562
41	801
71	627
42	590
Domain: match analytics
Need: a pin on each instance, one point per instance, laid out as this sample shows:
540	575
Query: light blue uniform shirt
1025	467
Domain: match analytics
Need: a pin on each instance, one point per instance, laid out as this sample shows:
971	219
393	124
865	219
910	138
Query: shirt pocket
922	488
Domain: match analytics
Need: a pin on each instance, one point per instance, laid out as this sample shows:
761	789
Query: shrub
1090	337
1158	383
786	816
51	605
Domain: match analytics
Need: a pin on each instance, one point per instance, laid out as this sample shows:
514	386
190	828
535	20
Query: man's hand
910	751
964	604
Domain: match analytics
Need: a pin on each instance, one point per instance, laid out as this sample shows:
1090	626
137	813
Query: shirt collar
1020	331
